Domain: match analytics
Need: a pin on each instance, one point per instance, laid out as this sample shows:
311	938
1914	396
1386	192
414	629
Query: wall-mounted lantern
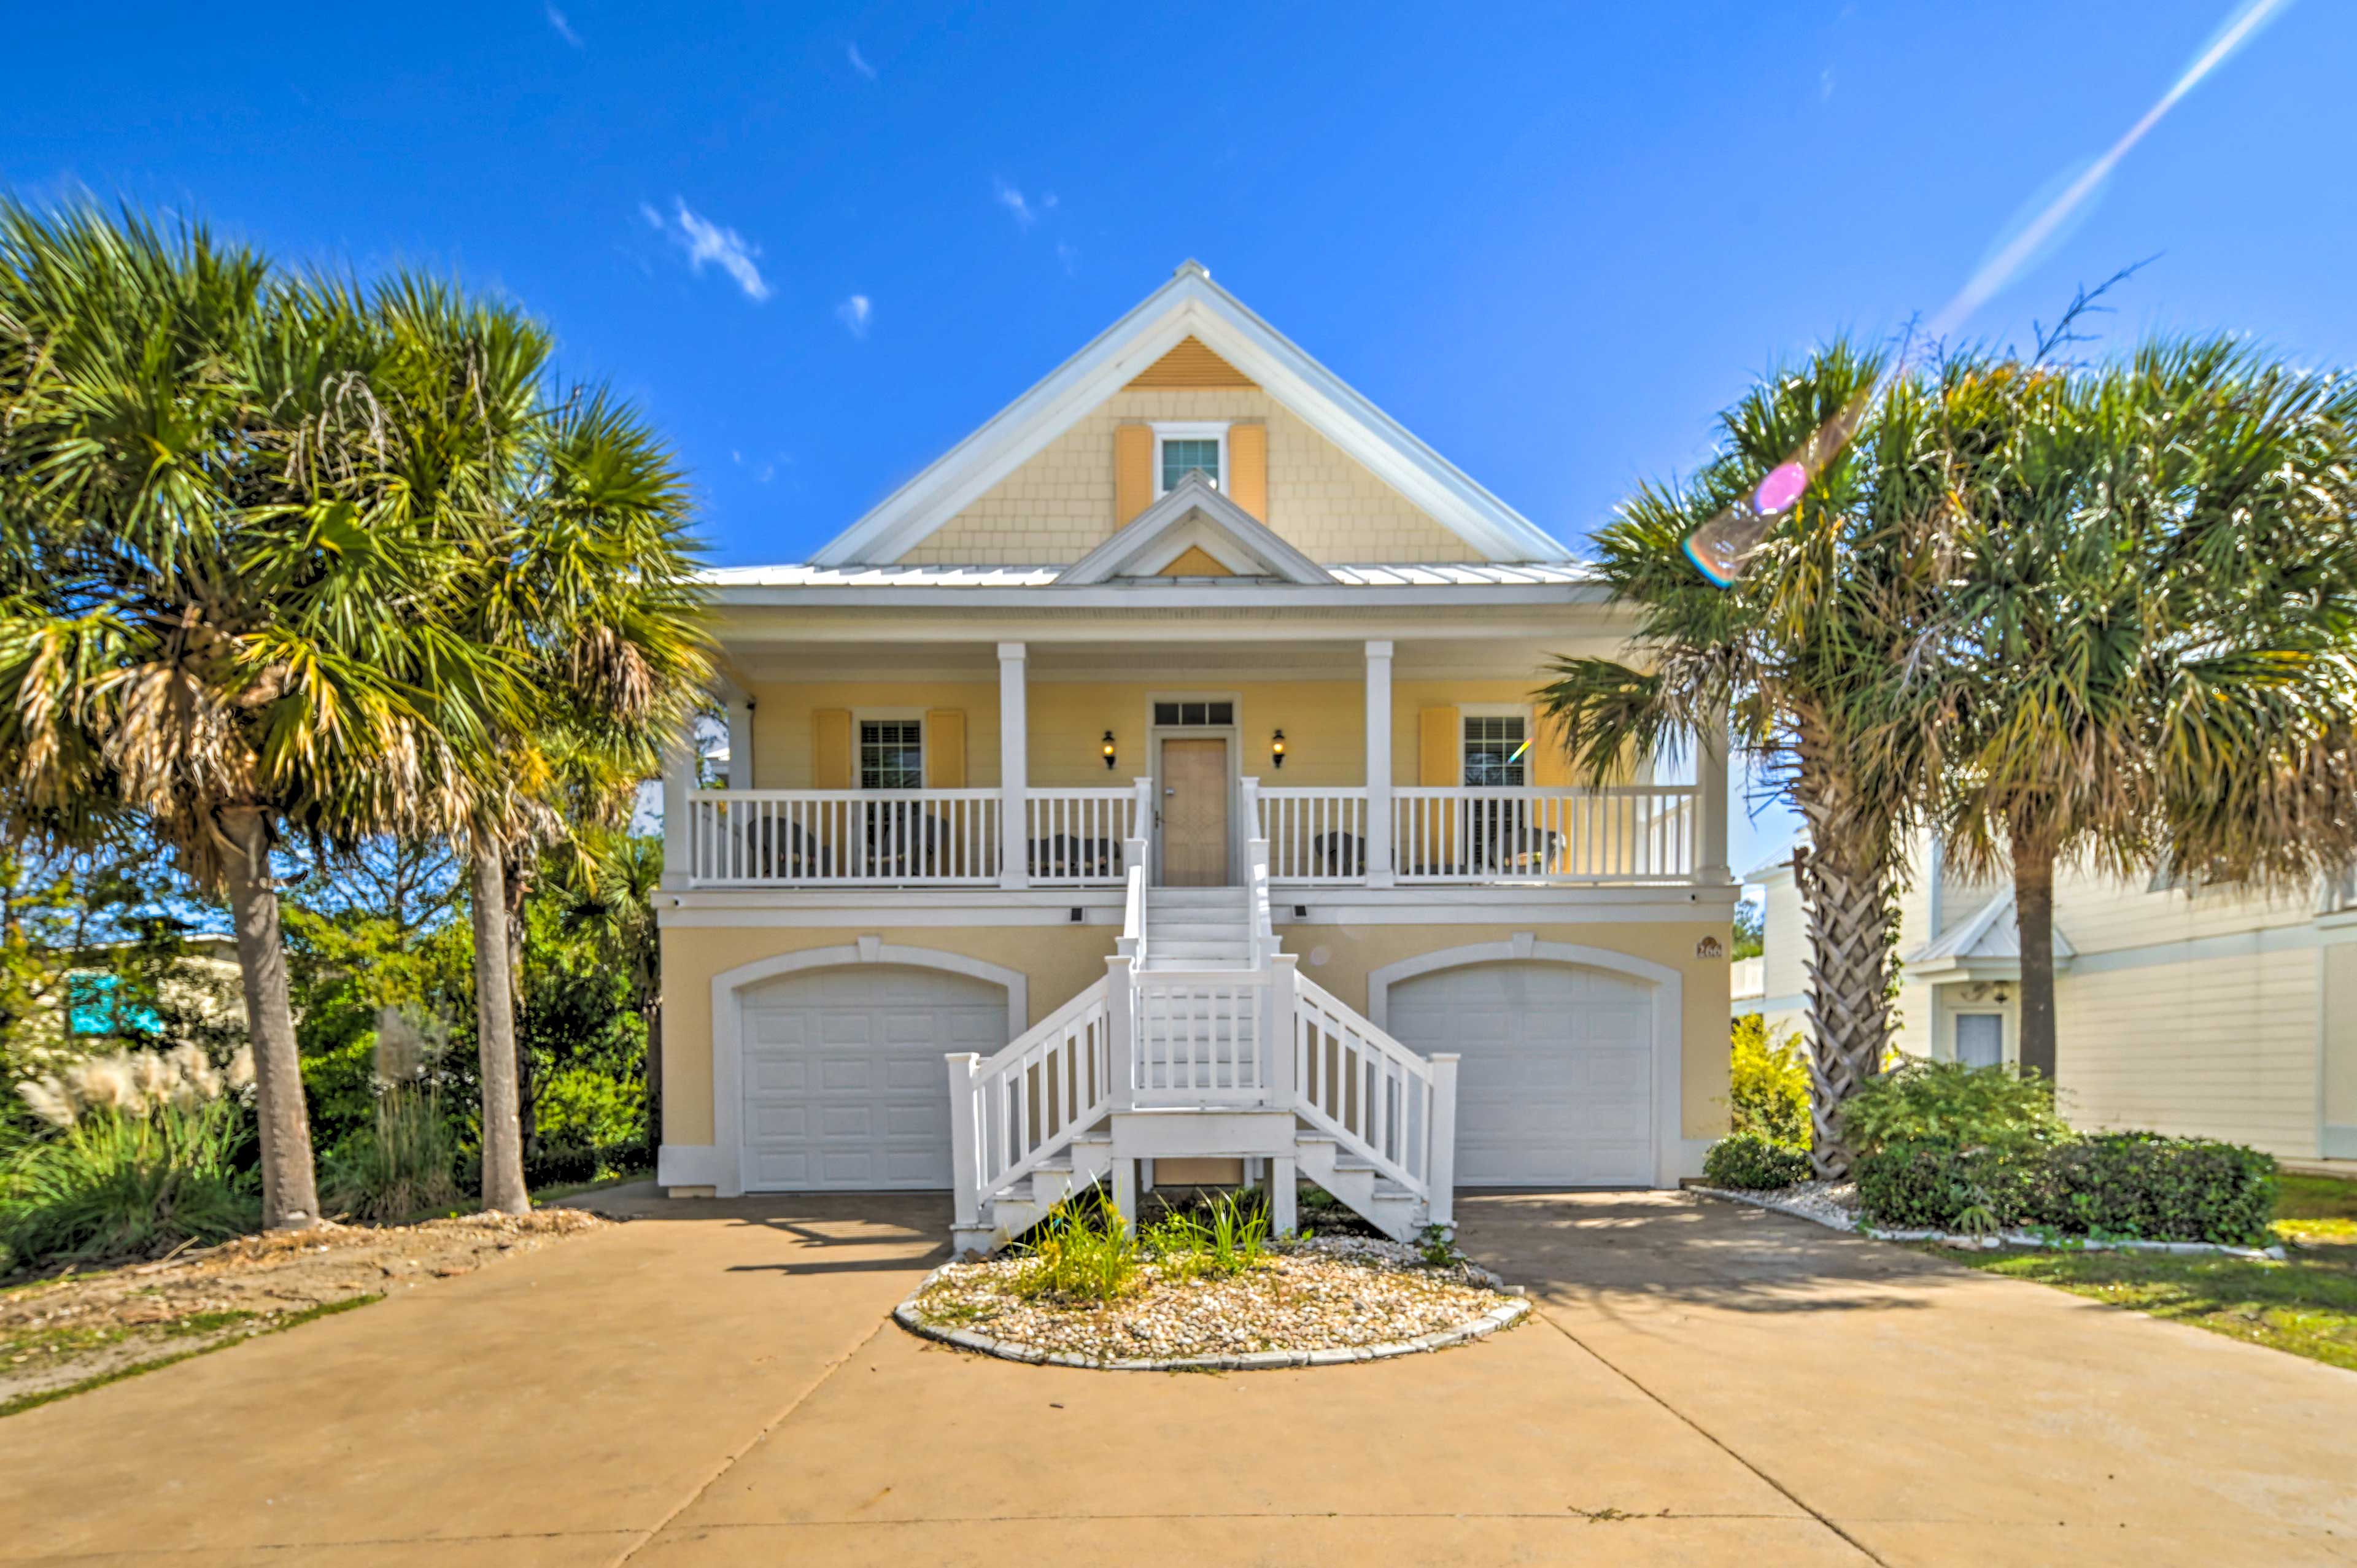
1277	750
1108	750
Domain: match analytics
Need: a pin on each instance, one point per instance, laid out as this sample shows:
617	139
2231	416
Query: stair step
1195	930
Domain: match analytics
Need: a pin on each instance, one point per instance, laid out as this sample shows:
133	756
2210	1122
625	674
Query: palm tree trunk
652	1013
1844	878
290	1196
2033	915
503	1183
516	873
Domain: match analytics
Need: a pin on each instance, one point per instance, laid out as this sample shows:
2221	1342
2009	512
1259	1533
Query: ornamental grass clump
405	1165
1225	1237
144	1155
1083	1252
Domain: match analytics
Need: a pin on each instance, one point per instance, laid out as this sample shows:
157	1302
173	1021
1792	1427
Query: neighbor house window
1496	750
1189	448
1980	1039
891	754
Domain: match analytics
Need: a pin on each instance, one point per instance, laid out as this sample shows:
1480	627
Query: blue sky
819	244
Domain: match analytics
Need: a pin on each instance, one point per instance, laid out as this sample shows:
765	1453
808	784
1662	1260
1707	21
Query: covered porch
1041	763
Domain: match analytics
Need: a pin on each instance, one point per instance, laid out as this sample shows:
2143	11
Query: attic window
1192	448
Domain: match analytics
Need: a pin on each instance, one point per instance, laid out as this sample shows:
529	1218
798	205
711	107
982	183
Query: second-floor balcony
1347	836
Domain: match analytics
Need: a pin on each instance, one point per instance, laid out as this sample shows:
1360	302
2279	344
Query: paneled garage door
1556	1087
844	1087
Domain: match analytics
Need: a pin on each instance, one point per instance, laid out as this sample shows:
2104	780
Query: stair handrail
1426	1139
1263	927
1014	1127
1132	940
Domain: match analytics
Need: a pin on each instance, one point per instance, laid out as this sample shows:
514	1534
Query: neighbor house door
1195	813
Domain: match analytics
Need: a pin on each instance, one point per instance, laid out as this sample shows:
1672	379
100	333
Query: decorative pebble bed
1321	1302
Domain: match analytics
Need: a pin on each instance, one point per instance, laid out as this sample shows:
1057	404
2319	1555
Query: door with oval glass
1195	813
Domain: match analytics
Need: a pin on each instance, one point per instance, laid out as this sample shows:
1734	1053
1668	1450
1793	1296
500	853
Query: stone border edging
1489	1322
1987	1244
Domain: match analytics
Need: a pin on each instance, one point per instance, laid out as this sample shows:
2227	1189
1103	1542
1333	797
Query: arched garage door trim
728	988
1669	1011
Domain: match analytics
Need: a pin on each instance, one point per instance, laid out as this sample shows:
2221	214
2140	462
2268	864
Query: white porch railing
1010	1112
1076	836
1315	835
841	837
1379	1100
1632	833
1200	1037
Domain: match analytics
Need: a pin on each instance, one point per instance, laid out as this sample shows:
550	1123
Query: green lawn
2306	1304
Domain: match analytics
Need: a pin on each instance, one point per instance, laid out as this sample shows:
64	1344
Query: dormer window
1192	449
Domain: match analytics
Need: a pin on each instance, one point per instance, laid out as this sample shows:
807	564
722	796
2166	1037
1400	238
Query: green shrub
1082	1251
1769	1084
1749	1162
120	1185
404	1165
582	1108
2119	1186
1947	1103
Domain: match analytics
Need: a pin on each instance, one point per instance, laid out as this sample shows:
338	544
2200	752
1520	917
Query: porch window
1496	753
891	754
1182	457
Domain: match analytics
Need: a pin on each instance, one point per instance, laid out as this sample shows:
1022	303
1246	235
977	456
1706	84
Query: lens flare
1720	548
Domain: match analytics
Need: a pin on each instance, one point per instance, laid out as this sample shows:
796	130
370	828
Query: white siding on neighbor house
2221	1048
1786	948
2099	912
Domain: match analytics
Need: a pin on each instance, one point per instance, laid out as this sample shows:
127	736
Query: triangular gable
1194	519
1190	365
1990	936
1191	308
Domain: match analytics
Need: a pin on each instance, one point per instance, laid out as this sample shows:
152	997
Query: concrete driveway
718	1383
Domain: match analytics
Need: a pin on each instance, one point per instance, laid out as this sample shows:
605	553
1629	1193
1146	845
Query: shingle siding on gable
1059	506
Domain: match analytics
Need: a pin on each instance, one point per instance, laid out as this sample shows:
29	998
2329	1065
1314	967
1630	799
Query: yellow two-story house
1150	791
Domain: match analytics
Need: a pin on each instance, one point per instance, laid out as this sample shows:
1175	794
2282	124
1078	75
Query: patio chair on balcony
781	849
1061	857
905	840
1338	853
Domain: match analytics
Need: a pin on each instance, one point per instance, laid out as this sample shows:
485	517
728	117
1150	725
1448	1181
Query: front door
1195	813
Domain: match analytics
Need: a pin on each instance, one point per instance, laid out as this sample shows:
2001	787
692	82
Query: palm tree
585	582
217	612
1836	593
2148	637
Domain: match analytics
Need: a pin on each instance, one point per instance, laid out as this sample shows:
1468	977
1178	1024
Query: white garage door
843	1083
1556	1087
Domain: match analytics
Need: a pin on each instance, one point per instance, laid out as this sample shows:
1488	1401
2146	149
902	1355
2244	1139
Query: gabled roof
1194	517
1989	942
1191	305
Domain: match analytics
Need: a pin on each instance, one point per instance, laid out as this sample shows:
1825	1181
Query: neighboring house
1163	756
2180	1009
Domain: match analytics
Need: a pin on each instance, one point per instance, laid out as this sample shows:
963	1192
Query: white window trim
861	717
1190	430
1522	711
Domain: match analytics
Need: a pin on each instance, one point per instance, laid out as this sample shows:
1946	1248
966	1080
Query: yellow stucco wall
1058	505
1324	724
1060	960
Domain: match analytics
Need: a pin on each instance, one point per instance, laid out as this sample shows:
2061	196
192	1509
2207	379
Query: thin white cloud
1012	199
563	28
853	313
705	241
859	61
1070	257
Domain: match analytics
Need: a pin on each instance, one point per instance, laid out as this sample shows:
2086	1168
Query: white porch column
678	807
1711	805
740	740
1014	770
1379	864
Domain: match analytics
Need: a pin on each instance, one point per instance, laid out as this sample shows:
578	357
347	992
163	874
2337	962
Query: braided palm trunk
1845	888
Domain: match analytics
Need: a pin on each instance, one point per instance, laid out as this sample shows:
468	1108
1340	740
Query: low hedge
2114	1186
1749	1162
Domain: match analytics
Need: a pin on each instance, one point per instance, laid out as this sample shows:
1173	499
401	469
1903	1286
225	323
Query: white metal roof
1376	575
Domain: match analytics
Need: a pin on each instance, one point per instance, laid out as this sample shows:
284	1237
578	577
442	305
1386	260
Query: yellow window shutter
831	749
945	748
1550	767
1248	469
1440	747
1133	471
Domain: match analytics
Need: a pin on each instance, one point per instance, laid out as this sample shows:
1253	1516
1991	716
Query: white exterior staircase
1202	1040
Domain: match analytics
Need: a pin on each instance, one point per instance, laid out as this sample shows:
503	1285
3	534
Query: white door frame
1672	1151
